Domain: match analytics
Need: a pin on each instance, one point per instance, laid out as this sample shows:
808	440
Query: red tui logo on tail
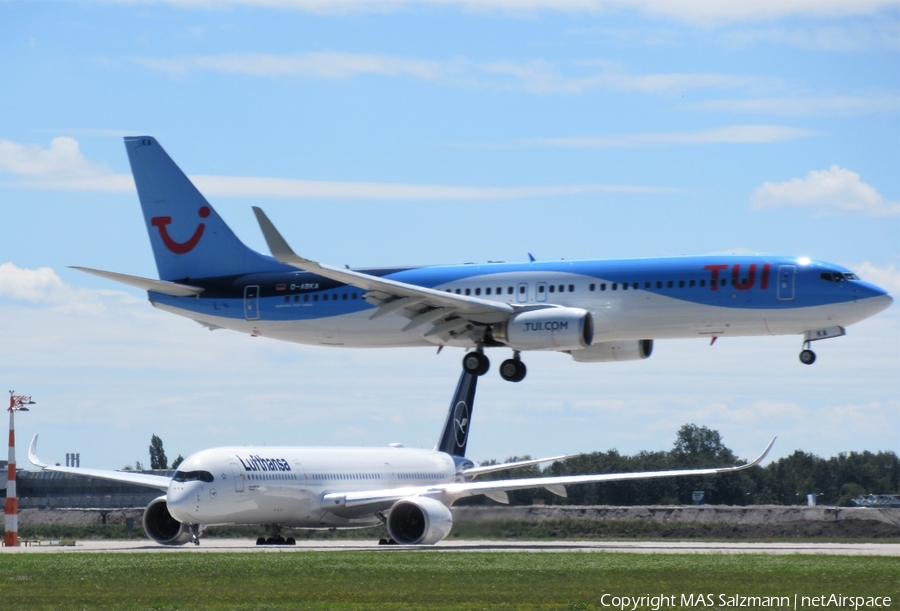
180	248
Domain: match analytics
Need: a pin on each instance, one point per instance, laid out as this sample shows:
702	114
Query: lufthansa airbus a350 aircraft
594	310
409	490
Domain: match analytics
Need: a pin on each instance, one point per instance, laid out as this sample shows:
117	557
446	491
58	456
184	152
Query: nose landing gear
807	356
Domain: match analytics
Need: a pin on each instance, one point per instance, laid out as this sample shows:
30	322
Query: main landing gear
275	538
511	370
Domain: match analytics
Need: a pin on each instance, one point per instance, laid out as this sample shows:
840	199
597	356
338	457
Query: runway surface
646	547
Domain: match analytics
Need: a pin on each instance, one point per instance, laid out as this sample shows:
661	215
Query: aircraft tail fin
189	239
455	435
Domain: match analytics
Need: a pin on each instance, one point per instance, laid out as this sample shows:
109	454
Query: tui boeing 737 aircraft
594	310
409	490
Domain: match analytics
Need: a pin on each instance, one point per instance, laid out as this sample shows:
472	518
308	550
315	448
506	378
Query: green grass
421	579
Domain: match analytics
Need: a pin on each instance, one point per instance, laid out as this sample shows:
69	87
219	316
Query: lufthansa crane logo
180	248
461	423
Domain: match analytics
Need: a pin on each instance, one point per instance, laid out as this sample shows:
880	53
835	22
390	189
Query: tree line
786	481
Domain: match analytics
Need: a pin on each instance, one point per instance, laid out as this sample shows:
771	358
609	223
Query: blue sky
415	132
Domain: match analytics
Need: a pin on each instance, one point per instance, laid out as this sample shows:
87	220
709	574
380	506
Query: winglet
32	454
278	246
763	455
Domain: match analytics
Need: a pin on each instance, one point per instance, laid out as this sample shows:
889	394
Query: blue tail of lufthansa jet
455	435
189	239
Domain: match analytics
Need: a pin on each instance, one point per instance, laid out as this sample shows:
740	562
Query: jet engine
547	329
162	527
419	520
602	352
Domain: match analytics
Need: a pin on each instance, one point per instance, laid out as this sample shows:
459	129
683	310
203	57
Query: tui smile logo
180	248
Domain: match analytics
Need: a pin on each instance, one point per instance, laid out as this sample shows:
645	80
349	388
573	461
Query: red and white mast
17	403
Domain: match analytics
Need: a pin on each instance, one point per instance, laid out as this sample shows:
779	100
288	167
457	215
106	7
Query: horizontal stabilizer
157	286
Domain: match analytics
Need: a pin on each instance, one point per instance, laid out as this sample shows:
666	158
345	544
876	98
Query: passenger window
551	289
487	291
681	284
615	286
325	297
468	291
509	290
478	291
624	286
646	285
315	297
635	286
296	298
344	296
522	289
603	286
724	282
659	284
591	287
287	298
670	284
562	288
703	283
457	291
693	283
306	298
500	290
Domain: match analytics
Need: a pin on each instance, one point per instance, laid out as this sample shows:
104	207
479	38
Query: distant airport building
48	490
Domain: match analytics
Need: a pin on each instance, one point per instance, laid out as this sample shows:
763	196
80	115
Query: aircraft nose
178	501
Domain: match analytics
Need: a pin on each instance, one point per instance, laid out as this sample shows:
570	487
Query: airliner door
540	292
522	292
251	302
786	282
238	476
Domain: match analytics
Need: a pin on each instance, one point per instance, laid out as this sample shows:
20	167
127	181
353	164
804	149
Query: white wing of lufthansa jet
447	493
422	305
160	482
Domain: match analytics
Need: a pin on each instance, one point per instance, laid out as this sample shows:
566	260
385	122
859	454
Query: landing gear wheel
513	370
807	357
475	363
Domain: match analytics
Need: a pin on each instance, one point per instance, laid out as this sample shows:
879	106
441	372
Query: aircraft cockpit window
838	276
191	476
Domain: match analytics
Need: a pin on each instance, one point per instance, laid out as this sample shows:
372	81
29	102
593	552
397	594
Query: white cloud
538	76
732	134
246	186
63	158
887	277
835	105
310	65
44	287
701	12
833	190
883	33
62	167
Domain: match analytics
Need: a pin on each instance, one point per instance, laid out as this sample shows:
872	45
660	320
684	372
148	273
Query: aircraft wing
160	482
497	489
448	312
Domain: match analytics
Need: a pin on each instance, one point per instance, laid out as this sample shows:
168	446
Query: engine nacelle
602	352
547	329
162	527
419	520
